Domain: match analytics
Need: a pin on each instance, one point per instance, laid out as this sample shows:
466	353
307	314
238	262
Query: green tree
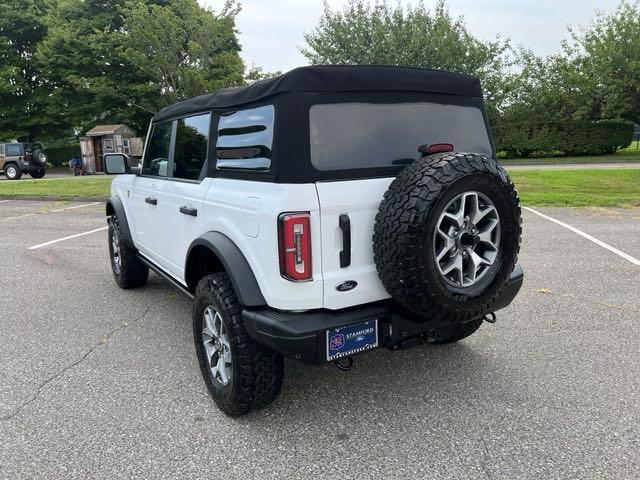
549	89
123	60
365	33
609	53
595	76
24	92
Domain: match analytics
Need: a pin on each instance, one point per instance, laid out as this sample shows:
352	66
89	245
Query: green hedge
61	155
571	137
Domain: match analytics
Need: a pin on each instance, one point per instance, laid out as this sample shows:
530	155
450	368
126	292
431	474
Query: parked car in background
22	157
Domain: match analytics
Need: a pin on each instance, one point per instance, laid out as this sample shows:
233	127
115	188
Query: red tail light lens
294	232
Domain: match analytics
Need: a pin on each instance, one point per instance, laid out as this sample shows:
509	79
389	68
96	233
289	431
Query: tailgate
359	200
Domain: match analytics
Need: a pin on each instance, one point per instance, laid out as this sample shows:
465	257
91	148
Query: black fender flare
115	207
235	265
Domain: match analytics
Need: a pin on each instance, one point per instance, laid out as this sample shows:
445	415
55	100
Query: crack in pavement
58	374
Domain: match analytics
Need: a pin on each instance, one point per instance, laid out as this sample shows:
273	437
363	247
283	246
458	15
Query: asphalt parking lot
97	382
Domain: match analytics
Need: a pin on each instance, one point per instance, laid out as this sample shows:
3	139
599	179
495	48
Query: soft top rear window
368	135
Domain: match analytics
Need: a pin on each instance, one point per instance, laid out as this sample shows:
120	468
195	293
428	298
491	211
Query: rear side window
192	138
13	150
156	158
366	135
245	139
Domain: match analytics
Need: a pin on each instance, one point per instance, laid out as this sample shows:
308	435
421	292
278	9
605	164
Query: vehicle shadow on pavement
385	384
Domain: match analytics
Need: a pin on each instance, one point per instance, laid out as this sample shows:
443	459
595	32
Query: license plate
345	341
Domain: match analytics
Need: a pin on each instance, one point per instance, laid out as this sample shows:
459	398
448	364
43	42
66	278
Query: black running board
166	276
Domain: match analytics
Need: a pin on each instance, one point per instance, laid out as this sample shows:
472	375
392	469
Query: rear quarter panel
247	212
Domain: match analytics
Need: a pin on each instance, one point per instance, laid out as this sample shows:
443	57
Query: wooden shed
108	139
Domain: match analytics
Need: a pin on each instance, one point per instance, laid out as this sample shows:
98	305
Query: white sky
271	31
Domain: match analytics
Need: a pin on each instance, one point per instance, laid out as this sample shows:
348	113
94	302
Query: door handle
151	200
189	211
345	254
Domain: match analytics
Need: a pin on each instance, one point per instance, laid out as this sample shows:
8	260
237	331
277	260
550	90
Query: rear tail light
294	233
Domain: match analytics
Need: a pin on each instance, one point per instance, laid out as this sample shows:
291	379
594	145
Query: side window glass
156	158
192	138
245	139
1	149
13	150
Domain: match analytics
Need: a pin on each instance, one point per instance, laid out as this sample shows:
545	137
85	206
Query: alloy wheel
217	346
467	239
116	259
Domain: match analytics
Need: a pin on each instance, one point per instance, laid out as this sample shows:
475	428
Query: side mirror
116	163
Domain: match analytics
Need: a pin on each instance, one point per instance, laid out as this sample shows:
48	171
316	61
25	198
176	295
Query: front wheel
12	172
241	375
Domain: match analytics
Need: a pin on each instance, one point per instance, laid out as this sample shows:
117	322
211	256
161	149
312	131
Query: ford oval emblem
346	286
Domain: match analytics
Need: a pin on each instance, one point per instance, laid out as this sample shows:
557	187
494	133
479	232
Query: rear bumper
302	336
28	167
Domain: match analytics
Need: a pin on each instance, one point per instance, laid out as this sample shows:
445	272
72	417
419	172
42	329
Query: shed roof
332	78
100	130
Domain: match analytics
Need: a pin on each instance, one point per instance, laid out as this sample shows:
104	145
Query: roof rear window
368	135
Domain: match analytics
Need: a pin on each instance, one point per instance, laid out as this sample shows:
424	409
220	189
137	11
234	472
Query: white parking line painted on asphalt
4	201
19	216
626	256
46	244
76	206
48	211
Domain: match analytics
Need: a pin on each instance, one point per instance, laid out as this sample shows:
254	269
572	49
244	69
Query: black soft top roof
332	78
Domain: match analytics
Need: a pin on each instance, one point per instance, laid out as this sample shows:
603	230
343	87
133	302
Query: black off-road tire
406	222
453	333
38	157
132	272
257	372
12	172
37	173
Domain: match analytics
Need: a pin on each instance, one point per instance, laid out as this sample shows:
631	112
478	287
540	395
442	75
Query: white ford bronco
320	214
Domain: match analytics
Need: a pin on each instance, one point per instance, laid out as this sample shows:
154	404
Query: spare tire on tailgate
38	157
447	236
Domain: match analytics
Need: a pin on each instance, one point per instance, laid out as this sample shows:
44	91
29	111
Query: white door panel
180	229
359	200
146	217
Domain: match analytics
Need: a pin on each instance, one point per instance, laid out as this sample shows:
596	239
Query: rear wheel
241	374
12	172
37	173
128	270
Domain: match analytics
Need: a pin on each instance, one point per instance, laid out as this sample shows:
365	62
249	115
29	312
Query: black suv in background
22	157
